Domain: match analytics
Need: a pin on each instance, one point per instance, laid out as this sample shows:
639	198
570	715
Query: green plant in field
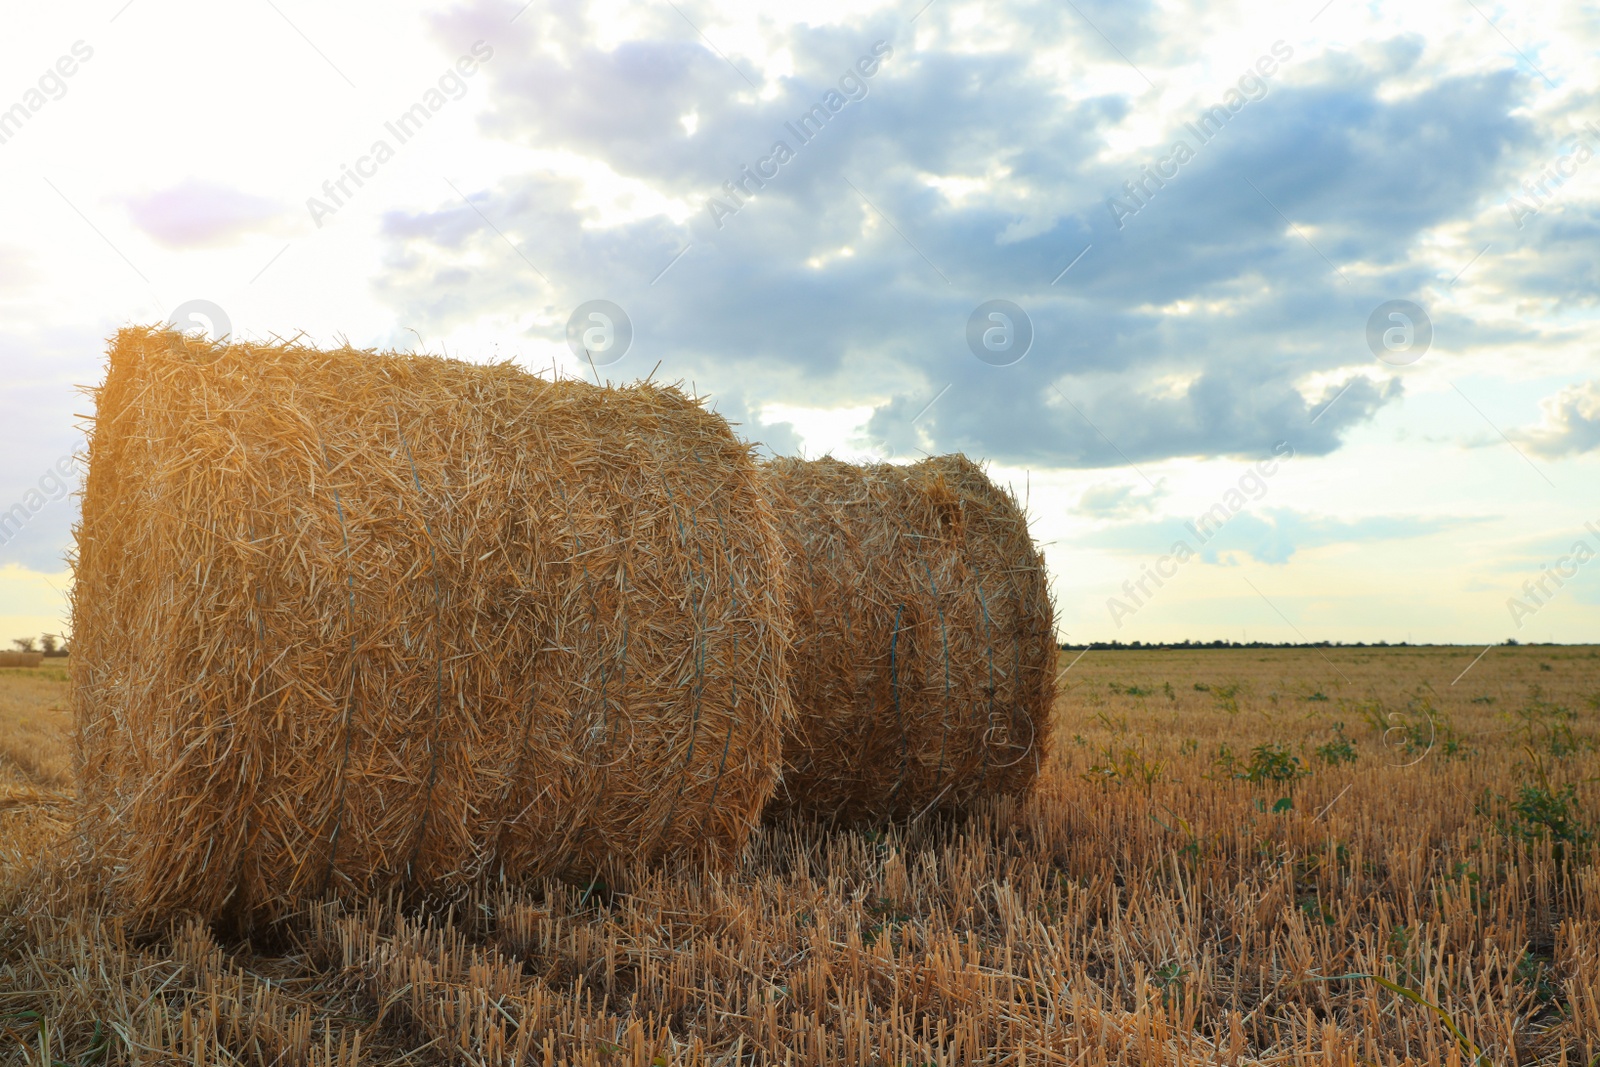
1268	762
1129	690
1227	696
1415	730
1129	765
1400	942
1271	762
1542	811
1193	844
1169	979
1168	973
1117	726
1339	750
1318	697
1534	973
1547	726
1470	880
1316	912
891	917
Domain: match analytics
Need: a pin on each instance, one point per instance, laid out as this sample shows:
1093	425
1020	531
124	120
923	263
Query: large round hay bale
922	663
369	623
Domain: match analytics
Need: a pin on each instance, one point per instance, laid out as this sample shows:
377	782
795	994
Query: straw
359	623
923	638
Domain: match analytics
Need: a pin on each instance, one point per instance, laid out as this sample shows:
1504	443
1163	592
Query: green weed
1339	750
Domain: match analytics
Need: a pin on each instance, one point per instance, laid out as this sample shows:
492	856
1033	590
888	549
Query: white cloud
199	214
1571	422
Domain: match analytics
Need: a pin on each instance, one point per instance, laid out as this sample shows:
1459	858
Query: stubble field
1330	856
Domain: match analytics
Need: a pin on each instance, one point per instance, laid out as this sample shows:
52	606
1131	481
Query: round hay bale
922	663
378	623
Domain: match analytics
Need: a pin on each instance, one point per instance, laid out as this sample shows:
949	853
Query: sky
1280	318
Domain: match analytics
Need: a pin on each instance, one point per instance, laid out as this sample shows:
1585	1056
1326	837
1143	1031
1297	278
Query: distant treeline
1143	646
52	645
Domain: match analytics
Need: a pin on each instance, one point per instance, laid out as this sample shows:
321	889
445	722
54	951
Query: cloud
42	541
1109	500
964	175
1536	552
39	426
38	506
777	437
1571	422
1273	536
1231	409
198	214
17	268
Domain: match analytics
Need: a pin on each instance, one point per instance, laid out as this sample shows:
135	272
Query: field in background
1222	846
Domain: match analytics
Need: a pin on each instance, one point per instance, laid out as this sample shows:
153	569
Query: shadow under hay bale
922	664
371	623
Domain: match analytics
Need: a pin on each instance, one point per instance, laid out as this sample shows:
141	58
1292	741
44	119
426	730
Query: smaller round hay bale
922	663
21	659
358	623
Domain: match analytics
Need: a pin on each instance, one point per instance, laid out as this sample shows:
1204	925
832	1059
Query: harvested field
1221	845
